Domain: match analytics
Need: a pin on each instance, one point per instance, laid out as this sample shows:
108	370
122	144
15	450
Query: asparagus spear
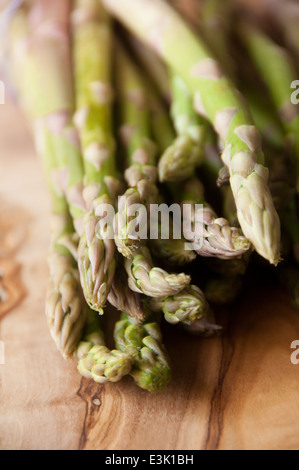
153	281
283	176
180	159
216	237
185	151
278	73
152	65
211	20
205	327
124	299
186	307
95	360
215	97
215	21
171	250
92	39
219	239
265	116
143	343
65	307
213	171
48	65
141	172
45	61
65	310
225	281
141	176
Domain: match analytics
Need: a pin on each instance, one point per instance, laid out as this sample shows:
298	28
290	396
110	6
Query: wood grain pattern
238	391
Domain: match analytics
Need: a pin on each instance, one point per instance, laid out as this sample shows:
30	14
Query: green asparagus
215	98
152	281
141	173
180	159
93	119
95	360
65	308
275	66
213	236
151	369
185	307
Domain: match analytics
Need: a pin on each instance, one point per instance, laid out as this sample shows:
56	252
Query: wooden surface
239	391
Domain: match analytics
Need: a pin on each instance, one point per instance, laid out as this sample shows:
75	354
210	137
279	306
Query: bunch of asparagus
152	103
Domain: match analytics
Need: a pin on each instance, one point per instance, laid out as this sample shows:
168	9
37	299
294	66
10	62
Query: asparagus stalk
186	307
283	176
266	118
278	73
215	98
92	40
211	20
172	251
141	172
95	360
141	175
213	171
45	61
205	327
219	239
65	310
180	159
224	283
215	238
124	299
143	343
215	21
152	281
152	65
65	306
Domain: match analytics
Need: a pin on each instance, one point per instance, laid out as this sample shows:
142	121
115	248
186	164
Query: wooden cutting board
238	391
